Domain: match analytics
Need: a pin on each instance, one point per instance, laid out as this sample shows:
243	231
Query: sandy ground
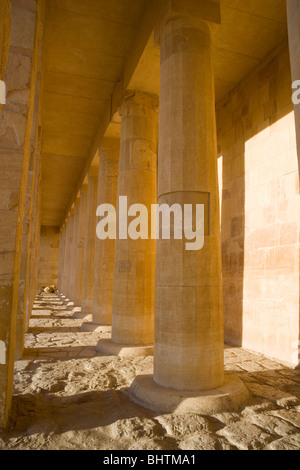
67	396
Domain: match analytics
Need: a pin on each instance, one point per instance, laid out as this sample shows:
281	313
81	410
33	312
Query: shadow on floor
55	329
61	353
36	414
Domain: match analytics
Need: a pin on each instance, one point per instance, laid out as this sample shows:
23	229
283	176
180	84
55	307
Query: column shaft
65	275
60	259
188	352
17	51
70	253
73	250
105	249
79	246
134	270
89	242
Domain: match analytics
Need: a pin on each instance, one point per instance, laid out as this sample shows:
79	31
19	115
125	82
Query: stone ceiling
89	44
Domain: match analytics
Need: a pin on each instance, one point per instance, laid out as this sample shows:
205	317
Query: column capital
202	13
138	99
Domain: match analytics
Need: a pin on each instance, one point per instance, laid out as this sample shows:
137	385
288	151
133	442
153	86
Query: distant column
79	246
73	261
89	243
134	268
18	51
69	252
64	273
105	249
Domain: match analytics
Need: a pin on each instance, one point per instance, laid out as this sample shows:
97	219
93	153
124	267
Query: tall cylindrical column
134	269
70	259
188	353
62	247
105	249
79	246
66	273
188	348
89	242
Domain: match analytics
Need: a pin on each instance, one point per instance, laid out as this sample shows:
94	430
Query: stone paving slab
68	396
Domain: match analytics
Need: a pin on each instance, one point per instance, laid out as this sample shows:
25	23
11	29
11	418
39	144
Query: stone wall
260	211
293	12
48	263
17	123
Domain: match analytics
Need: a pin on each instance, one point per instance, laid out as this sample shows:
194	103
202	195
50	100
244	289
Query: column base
108	348
78	314
95	327
70	305
232	396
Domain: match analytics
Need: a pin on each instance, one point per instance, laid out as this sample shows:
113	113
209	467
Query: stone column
34	220
89	243
188	349
73	250
34	240
79	246
17	121
5	6
61	267
69	257
293	13
105	249
60	259
62	288
21	318
134	268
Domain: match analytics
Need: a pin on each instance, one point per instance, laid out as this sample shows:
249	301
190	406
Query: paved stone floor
68	396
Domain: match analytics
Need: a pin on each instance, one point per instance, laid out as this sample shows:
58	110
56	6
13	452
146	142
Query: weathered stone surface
246	436
291	416
89	242
187	174
134	263
277	396
16	144
62	378
260	243
286	443
48	259
273	425
185	425
105	249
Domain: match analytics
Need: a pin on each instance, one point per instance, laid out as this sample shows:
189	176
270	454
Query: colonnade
158	297
154	295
